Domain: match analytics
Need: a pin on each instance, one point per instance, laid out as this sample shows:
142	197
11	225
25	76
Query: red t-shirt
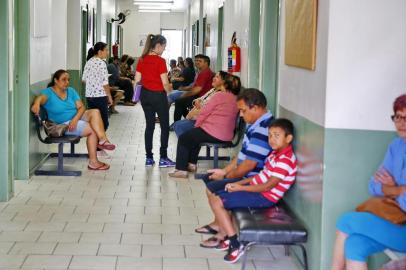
204	80
151	67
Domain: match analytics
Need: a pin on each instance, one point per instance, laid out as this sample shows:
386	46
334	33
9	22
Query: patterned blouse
96	76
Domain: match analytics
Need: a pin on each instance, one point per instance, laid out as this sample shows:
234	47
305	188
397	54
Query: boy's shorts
244	199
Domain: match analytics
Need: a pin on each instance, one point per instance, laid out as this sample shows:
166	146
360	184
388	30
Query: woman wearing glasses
361	234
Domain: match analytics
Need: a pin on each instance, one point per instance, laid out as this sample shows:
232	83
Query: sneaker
178	174
149	162
103	154
234	254
223	245
166	162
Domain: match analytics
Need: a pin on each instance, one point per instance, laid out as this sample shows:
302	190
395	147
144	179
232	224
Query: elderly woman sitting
64	106
361	234
214	123
219	84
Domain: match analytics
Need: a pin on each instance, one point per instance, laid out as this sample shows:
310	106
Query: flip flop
102	167
106	146
215	242
207	230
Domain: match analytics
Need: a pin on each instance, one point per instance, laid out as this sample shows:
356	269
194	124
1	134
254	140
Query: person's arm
108	94
38	102
208	109
242	169
137	77
74	121
192	91
165	81
271	183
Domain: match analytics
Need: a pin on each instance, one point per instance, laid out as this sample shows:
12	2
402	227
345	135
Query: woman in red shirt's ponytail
152	74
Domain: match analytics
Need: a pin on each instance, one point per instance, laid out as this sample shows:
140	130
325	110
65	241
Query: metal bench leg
287	251
60	158
72	148
208	152
306	266
216	157
245	255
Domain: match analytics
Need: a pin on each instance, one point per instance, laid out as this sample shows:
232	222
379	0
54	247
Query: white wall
366	62
172	20
108	11
299	90
137	25
74	35
59	37
48	52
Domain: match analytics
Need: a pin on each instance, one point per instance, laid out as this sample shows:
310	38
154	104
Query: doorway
108	38
174	44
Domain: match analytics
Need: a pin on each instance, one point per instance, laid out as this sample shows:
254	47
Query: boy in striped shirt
263	190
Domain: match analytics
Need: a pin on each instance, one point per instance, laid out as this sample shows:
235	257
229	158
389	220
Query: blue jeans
174	95
182	126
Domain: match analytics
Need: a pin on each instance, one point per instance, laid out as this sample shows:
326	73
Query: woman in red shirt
152	74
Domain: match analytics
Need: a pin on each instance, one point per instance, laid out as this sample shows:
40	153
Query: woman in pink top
215	123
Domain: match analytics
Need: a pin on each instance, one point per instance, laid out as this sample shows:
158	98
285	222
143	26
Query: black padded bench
72	140
273	226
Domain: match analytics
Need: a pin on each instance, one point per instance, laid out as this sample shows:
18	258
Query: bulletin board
301	31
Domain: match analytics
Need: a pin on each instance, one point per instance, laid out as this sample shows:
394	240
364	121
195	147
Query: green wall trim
253	47
269	49
351	158
335	166
305	197
76	82
21	96
37	150
5	161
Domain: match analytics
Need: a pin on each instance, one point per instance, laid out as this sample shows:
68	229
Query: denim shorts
244	199
79	128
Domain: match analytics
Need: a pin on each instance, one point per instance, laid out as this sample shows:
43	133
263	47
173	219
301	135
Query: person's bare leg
91	144
223	216
353	265
213	224
338	262
93	117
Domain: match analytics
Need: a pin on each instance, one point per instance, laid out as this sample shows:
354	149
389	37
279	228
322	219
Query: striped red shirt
282	165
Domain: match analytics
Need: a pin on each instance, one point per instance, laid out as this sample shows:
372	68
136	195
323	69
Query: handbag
385	208
137	93
54	130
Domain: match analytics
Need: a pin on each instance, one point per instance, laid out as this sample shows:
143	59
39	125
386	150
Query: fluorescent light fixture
153	7
152	2
154	10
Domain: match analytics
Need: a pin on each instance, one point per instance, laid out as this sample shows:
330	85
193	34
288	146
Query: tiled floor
129	217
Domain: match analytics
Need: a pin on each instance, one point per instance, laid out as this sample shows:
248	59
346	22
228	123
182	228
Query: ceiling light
152	2
154	10
153	7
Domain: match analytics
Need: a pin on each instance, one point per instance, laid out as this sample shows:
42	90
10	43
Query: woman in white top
96	77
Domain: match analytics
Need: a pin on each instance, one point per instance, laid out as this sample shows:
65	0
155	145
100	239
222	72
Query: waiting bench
238	134
266	227
72	140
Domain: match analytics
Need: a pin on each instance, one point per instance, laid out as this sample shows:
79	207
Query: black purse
54	130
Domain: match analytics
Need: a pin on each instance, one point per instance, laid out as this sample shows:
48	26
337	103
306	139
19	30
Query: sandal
106	145
215	243
207	229
103	167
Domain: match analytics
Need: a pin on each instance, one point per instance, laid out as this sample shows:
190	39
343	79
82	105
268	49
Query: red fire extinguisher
234	56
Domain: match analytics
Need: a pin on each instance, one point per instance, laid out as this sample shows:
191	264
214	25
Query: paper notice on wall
142	40
300	36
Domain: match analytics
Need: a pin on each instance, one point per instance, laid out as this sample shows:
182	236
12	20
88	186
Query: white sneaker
103	154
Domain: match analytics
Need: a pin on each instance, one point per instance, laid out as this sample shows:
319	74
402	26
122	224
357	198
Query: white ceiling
177	6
